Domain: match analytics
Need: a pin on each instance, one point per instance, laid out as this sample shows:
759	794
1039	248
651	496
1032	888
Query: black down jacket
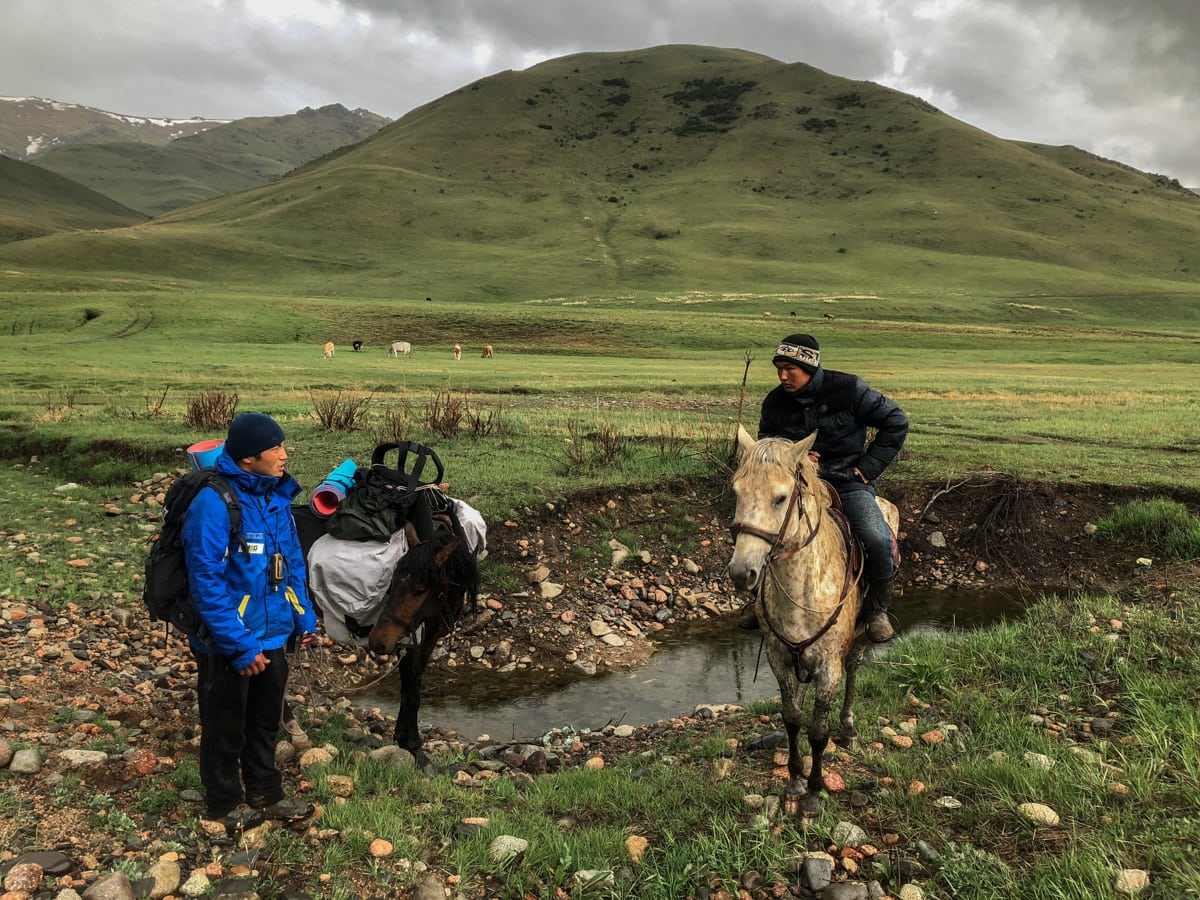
840	407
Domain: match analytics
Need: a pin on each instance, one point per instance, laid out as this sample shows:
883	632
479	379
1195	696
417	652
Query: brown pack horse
793	552
434	583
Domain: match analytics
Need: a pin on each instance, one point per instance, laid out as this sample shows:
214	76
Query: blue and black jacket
245	613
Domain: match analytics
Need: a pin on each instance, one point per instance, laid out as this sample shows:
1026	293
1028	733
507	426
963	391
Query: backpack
382	498
166	592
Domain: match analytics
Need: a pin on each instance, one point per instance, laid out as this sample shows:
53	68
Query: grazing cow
457	351
792	314
487	352
399	348
357	345
329	349
766	315
829	315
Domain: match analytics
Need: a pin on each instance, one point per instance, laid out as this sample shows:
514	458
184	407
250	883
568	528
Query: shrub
211	410
337	411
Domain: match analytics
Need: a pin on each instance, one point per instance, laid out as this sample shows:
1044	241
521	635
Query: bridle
799	485
414	633
776	553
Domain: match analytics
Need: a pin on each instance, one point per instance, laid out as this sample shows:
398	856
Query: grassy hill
221	160
38	203
652	174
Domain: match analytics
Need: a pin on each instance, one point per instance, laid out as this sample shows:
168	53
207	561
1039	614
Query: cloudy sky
1117	77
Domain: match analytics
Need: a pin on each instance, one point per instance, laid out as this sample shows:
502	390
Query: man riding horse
840	407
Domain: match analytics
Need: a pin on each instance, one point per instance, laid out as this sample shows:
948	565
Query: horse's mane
461	567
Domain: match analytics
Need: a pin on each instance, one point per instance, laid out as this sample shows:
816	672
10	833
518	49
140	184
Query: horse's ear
744	439
410	532
445	553
802	447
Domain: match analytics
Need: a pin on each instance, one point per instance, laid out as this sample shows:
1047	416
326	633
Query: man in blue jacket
252	599
841	407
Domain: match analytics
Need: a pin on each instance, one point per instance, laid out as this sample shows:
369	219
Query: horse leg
791	695
408	733
854	658
818	740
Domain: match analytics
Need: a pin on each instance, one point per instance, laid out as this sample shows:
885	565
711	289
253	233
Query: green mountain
672	170
37	202
220	160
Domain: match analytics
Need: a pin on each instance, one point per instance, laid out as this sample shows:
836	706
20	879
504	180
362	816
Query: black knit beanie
252	433
801	350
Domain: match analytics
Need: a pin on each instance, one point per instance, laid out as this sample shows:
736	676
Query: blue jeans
871	528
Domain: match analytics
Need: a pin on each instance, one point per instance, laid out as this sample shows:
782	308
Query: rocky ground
585	582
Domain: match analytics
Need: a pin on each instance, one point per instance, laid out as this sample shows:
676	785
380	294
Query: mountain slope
220	160
670	170
38	203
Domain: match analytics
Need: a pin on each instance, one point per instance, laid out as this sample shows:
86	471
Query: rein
775	554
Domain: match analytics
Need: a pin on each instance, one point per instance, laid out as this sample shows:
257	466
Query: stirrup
748	618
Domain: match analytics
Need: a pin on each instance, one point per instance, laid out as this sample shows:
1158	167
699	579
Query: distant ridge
157	165
33	126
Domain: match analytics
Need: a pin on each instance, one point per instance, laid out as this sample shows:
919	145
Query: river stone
27	761
430	888
847	834
166	876
114	886
1132	881
548	590
846	890
6	753
910	892
395	756
816	871
23	878
506	847
196	885
51	861
77	758
1039	813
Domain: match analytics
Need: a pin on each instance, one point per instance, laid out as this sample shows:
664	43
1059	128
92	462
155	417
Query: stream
709	662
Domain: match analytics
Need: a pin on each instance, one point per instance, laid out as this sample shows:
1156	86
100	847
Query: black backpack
383	499
166	593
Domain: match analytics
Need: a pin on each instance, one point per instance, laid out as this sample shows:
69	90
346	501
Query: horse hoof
791	803
810	808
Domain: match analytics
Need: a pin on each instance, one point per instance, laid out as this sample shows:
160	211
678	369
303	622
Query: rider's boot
748	617
879	596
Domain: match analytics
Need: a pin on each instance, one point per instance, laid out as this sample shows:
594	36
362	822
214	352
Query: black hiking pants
239	726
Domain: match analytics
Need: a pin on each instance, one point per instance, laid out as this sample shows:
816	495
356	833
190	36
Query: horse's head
432	583
772	489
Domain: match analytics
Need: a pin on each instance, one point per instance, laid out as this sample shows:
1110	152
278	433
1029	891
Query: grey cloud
1108	75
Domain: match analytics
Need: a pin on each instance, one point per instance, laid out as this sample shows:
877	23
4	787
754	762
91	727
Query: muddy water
708	662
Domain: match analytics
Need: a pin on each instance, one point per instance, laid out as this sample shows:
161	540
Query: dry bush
340	412
394	425
211	410
486	422
444	414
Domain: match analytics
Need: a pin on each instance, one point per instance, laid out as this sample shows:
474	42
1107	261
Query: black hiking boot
748	617
879	597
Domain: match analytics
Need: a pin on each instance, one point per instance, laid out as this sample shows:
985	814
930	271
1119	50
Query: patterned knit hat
801	350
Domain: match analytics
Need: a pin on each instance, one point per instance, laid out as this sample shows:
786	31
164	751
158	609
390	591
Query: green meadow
1101	397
